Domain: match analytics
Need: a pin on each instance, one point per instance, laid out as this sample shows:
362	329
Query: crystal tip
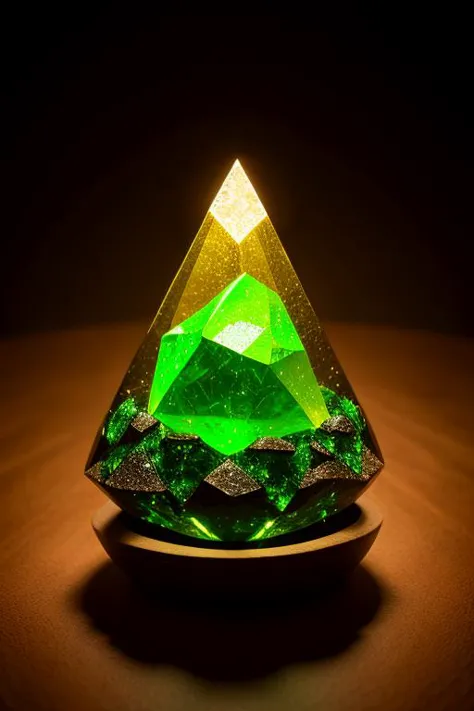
237	206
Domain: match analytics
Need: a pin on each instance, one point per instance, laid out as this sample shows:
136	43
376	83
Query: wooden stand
188	568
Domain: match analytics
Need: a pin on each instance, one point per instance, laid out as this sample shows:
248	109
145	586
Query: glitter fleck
327	470
319	448
339	423
370	463
231	479
143	421
272	444
136	473
95	472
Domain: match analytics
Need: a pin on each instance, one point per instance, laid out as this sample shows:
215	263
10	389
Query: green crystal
235	362
273	471
119	421
236	371
338	405
345	447
152	445
114	458
279	472
185	464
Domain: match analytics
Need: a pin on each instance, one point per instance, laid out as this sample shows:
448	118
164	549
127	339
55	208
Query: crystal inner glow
236	371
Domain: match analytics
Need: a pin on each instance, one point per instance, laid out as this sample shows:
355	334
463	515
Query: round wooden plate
313	557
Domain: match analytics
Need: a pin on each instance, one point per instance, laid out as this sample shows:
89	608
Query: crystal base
308	559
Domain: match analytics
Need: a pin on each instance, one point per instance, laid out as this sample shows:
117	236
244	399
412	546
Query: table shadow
228	640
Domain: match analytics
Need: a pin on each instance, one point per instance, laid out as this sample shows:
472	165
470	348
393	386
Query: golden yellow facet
219	262
237	206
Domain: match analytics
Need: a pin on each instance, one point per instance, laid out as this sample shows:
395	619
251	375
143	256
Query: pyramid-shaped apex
237	206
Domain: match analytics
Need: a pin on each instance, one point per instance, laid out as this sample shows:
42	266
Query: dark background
120	127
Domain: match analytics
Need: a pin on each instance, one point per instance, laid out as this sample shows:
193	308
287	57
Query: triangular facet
136	473
231	479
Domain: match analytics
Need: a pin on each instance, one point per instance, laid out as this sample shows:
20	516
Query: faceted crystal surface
236	371
237	206
235	420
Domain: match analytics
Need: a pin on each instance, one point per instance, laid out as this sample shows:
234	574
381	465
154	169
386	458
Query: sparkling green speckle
119	421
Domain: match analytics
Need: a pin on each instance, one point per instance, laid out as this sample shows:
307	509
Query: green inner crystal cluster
236	371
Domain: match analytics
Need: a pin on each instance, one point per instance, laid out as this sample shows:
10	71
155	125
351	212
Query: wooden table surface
75	634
